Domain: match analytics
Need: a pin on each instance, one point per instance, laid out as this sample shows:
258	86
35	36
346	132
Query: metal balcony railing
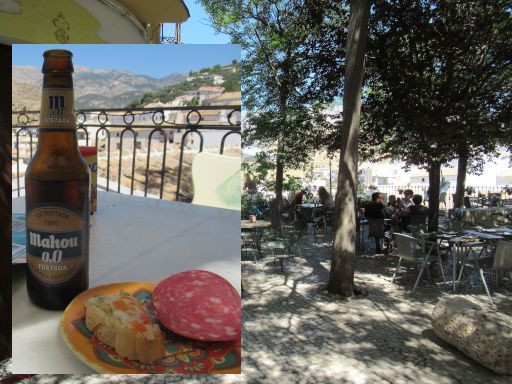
134	129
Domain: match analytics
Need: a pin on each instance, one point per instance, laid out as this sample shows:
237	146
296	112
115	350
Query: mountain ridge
105	88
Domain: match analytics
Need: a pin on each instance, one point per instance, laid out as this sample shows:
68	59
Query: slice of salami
199	305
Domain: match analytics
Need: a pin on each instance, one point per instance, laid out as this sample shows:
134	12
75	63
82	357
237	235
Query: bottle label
57	109
54	243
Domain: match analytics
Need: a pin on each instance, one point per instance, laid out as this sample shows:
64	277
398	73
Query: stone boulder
483	334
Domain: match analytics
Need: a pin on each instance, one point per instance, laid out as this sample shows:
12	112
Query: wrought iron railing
175	125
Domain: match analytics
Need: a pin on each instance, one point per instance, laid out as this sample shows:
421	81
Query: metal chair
499	260
418	251
457	225
442	199
278	251
283	246
418	230
249	247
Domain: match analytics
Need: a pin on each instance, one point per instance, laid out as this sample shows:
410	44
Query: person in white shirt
406	202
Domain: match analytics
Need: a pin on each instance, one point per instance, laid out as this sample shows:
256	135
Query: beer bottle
57	195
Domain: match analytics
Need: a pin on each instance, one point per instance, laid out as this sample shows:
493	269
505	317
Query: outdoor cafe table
258	224
132	239
310	205
462	243
256	230
308	210
476	215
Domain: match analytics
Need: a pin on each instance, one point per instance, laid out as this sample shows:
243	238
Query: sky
155	60
197	30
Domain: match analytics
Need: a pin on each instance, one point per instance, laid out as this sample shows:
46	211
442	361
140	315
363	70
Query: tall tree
341	276
276	36
438	85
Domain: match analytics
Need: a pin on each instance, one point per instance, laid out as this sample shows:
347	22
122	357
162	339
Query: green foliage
258	171
284	63
363	203
194	101
469	190
246	206
231	86
292	183
169	93
438	81
250	202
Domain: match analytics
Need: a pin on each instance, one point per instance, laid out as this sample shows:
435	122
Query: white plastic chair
216	180
442	199
499	260
418	251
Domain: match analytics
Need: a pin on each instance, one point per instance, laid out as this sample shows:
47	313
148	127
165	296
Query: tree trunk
343	257
434	180
461	178
278	204
5	202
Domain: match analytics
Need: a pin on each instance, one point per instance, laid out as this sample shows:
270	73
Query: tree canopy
279	40
439	74
438	81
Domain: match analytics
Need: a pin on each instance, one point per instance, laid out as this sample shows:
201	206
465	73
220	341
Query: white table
132	239
310	205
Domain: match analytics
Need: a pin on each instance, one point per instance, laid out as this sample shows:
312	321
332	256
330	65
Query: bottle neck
57	102
57	124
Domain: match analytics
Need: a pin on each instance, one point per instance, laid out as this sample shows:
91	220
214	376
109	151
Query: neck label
57	108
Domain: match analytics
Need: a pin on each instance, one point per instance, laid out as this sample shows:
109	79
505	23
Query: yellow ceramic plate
183	356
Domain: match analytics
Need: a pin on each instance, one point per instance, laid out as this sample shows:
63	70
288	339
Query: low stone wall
483	334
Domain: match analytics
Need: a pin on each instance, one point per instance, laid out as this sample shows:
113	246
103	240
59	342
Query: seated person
415	214
404	213
392	205
418	212
325	197
297	199
406	202
376	210
250	185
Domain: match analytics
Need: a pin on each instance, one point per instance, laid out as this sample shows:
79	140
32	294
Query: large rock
481	333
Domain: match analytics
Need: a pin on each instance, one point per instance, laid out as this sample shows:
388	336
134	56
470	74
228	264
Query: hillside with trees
230	73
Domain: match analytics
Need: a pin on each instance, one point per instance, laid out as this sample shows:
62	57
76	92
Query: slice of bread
123	323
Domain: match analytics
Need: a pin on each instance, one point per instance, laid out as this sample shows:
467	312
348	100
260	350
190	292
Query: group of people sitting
402	212
324	197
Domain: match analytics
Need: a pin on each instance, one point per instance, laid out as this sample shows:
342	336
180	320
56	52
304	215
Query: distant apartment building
205	92
216	79
181	101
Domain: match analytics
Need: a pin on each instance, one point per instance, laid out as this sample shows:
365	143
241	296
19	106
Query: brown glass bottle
57	195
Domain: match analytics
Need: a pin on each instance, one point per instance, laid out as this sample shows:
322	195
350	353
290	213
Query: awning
158	11
87	21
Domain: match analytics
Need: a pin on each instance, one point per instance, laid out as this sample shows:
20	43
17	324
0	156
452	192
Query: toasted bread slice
123	323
